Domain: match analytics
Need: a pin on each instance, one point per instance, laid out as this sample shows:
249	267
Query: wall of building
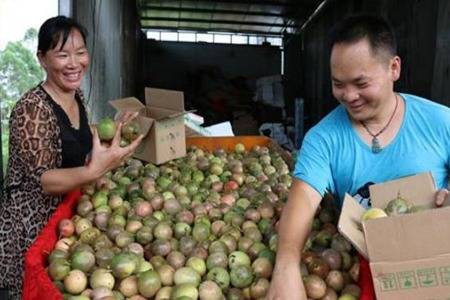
170	64
114	44
292	70
440	87
422	31
123	62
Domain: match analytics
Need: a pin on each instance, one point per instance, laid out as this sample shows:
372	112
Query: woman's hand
108	157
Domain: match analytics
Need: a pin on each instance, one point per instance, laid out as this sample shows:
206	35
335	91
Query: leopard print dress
35	147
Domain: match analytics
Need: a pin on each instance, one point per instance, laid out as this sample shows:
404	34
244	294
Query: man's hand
286	284
441	197
295	225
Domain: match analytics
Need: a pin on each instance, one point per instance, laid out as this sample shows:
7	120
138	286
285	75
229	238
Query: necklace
376	147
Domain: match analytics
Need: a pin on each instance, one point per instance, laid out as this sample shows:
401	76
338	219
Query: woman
50	139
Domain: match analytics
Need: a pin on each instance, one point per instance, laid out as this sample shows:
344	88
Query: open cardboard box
409	255
162	123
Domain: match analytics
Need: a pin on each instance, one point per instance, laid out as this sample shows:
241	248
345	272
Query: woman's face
65	67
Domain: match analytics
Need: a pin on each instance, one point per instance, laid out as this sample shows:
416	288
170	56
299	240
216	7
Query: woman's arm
61	181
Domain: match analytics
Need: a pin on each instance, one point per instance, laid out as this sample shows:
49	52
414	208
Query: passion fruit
106	129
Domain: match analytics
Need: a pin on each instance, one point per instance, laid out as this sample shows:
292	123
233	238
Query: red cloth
37	285
365	281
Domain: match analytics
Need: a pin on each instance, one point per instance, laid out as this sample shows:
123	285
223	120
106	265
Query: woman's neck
59	95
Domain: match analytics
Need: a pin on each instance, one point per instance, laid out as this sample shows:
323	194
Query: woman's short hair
53	29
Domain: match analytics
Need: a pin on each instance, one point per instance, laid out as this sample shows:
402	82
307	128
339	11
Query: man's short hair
374	28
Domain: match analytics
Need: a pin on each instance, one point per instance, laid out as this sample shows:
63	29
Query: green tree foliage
19	71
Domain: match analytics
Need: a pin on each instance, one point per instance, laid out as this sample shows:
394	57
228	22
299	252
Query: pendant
376	148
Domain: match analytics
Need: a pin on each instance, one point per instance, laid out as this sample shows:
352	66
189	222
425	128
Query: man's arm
295	225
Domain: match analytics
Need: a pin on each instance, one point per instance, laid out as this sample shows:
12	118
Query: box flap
157	113
174	115
145	124
418	189
127	104
407	237
168	99
349	224
161	114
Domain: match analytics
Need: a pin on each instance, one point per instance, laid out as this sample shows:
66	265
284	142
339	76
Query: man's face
361	80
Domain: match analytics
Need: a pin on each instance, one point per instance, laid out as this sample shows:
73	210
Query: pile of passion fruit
200	227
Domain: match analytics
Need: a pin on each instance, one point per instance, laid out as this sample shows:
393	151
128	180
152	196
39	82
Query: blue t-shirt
334	157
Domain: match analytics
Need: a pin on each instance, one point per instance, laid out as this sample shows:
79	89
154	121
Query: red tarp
365	280
37	285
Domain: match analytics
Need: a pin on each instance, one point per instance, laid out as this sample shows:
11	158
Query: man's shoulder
426	106
333	121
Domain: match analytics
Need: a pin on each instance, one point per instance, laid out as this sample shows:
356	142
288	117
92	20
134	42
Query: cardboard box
409	255
162	122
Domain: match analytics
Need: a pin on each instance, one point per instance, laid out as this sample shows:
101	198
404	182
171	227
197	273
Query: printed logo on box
427	277
388	282
407	280
445	275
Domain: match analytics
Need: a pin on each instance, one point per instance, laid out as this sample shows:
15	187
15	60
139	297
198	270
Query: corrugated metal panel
238	13
194	15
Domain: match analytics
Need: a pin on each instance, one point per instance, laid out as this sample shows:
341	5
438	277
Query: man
374	135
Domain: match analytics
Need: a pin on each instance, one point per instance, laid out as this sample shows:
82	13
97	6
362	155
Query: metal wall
114	37
422	29
292	71
423	34
440	87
